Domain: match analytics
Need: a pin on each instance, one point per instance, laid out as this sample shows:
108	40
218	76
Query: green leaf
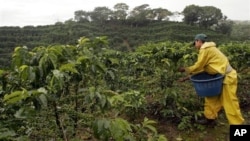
56	50
162	138
56	83
43	100
24	72
147	124
16	96
52	58
20	56
83	40
150	127
19	113
166	61
27	73
57	74
111	74
147	121
6	133
101	67
83	61
114	60
69	67
186	56
120	129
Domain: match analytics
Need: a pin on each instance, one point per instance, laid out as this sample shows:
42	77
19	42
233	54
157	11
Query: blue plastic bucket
207	85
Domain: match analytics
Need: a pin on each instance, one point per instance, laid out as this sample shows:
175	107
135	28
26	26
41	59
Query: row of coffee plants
91	92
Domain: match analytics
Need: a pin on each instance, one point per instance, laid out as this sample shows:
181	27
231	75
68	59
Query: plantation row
123	35
91	92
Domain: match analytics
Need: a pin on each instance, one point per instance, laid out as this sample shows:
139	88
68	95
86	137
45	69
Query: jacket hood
208	44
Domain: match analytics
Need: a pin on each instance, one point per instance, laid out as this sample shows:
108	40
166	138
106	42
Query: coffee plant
91	92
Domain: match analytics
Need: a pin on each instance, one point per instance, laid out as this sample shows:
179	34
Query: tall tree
203	16
191	14
140	13
81	15
120	11
210	16
225	26
160	14
101	14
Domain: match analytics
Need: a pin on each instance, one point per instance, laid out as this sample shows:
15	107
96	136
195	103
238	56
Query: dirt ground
220	132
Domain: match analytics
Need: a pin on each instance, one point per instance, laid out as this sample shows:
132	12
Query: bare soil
220	132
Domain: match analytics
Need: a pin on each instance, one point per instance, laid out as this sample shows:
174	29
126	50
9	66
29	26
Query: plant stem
58	122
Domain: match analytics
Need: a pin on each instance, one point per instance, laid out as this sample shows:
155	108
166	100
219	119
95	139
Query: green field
89	91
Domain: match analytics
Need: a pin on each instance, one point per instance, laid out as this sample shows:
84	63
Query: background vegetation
126	29
113	87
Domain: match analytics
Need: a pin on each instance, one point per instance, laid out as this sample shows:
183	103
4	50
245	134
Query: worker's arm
184	79
199	64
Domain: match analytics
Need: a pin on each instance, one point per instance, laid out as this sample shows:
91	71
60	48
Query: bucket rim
208	80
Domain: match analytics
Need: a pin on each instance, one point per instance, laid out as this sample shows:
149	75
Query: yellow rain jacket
212	61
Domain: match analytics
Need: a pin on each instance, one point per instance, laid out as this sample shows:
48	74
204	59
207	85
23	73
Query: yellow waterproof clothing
212	61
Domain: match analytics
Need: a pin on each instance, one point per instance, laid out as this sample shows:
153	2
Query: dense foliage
123	35
126	29
117	81
91	92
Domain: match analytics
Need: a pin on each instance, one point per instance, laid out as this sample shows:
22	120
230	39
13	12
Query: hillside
87	92
123	35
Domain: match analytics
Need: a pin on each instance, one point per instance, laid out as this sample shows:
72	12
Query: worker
213	61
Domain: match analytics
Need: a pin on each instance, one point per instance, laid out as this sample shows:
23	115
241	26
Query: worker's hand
181	69
183	79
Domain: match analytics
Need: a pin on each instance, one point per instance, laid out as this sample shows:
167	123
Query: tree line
208	17
125	29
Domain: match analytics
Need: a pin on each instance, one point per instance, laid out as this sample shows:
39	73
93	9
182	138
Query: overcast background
44	12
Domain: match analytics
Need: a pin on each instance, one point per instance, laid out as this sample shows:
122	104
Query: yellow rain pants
212	60
227	99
